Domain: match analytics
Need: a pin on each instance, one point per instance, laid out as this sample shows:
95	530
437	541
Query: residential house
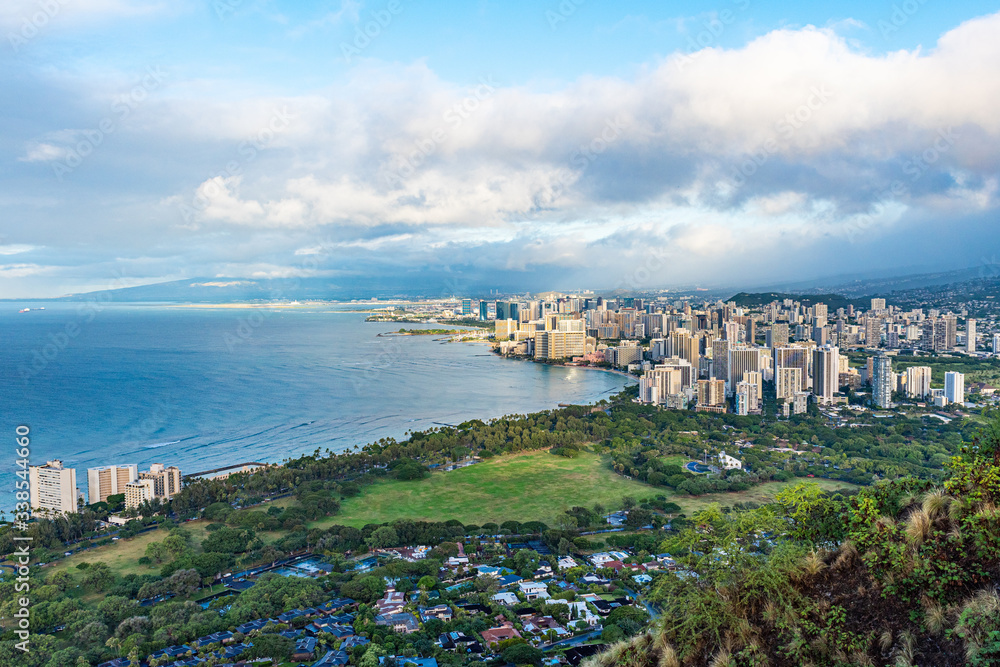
404	623
333	659
498	634
566	562
441	612
506	598
533	590
305	649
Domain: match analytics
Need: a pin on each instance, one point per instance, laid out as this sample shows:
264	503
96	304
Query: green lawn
123	555
536	486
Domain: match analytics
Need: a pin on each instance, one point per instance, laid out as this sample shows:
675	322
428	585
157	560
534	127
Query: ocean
203	388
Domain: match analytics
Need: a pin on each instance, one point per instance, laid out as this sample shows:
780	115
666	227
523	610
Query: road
574	641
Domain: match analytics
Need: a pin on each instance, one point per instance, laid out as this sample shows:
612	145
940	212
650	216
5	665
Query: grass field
123	556
759	494
536	486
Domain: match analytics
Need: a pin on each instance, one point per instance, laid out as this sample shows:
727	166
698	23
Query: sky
585	144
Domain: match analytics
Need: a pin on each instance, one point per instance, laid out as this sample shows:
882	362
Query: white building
139	492
728	462
918	381
954	387
52	488
970	336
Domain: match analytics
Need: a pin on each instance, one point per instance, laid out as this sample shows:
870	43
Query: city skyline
556	143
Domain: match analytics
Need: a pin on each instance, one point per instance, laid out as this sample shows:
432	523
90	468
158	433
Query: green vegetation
903	572
833	301
533	486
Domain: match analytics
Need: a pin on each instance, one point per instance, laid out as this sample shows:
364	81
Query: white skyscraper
996	343
954	387
970	336
918	381
53	488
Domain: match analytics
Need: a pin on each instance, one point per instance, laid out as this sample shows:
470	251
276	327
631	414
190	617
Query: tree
383	538
523	654
426	583
637	518
271	646
628	502
98	577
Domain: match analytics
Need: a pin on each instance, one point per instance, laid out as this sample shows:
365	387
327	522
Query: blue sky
590	144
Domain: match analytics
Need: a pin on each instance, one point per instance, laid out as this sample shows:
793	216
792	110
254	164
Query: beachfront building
166	480
52	488
109	481
139	492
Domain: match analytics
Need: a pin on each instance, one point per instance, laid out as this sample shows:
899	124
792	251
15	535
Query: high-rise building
970	336
466	307
996	343
878	305
873	331
139	492
882	381
820	311
787	381
742	360
954	387
918	381
731	331
826	374
657	384
950	331
560	344
821	335
711	392
484	310
52	488
777	335
794	356
720	359
109	481
166	480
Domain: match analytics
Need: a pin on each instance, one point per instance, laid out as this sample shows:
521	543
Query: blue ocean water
202	388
